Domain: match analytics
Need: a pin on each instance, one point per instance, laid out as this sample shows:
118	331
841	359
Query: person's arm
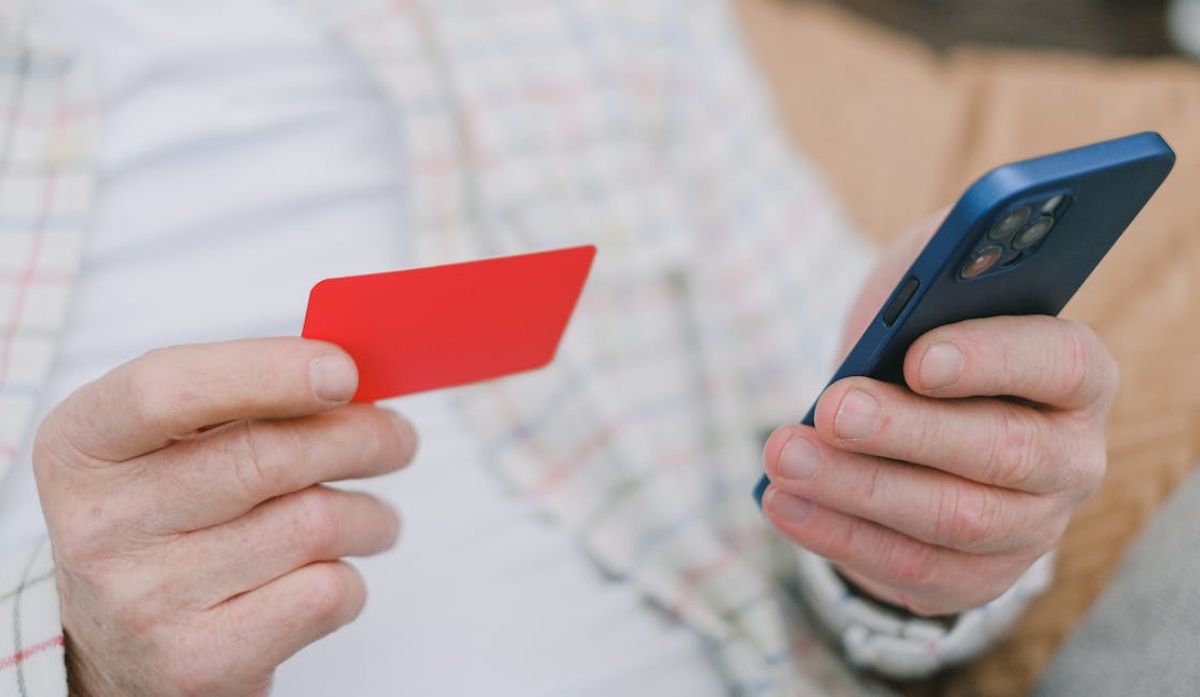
952	116
949	497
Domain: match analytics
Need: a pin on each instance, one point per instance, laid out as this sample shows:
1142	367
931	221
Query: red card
423	329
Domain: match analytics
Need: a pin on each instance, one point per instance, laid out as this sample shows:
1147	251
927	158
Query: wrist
882	638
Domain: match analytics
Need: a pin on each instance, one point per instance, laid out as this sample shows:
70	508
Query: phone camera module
982	260
1011	222
1051	206
1033	233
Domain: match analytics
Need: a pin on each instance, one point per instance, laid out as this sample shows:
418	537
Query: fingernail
857	417
789	508
799	459
334	377
941	367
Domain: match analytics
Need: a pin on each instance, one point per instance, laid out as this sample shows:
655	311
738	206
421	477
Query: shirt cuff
880	639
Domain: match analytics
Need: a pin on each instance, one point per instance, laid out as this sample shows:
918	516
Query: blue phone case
1090	195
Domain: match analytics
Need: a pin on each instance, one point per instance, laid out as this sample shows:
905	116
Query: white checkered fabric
46	190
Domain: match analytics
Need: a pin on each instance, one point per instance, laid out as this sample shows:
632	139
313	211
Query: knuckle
56	442
151	396
1012	458
256	455
317	523
967	518
909	566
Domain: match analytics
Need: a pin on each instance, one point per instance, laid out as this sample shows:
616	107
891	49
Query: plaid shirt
46	191
724	271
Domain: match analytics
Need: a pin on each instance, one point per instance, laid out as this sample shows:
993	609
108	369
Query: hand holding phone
966	424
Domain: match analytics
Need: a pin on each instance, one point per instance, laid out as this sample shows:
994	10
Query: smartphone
1020	241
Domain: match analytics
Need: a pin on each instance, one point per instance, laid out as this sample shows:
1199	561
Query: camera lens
983	260
1010	223
1034	233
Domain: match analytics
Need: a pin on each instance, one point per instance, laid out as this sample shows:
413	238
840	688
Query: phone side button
900	301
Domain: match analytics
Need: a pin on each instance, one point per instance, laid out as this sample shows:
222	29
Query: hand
196	547
938	497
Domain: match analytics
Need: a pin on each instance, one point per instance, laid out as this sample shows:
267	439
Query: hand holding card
424	329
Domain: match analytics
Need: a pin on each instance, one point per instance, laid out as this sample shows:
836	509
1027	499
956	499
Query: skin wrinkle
873	486
248	464
137	576
1014	458
1023	446
968	517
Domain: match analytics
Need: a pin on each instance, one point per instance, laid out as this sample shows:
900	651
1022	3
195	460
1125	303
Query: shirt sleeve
901	646
32	653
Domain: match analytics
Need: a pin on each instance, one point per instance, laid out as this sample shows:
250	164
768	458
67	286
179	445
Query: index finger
172	393
1050	361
